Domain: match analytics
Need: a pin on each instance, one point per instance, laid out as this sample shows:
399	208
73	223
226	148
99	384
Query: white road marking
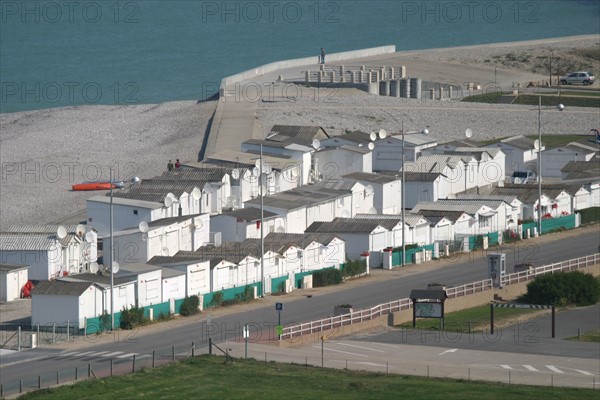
581	371
448	351
361	347
67	354
98	353
340	351
506	366
554	369
529	367
86	353
112	354
128	355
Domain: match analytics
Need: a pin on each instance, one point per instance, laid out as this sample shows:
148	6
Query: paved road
263	317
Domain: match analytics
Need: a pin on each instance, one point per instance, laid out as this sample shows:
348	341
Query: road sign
278	306
245	332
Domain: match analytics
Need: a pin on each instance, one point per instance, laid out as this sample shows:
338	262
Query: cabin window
135	212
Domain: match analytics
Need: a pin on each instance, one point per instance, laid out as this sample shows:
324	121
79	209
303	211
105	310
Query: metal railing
328	323
568	265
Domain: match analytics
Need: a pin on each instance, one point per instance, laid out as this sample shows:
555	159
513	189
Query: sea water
78	52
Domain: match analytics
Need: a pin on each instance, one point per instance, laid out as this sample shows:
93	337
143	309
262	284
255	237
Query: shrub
105	321
189	306
353	268
563	288
590	215
130	318
217	299
327	277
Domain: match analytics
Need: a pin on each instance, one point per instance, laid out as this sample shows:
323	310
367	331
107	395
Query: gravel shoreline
44	152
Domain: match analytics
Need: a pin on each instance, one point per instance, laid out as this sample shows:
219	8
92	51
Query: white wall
11	283
173	287
46	309
43	265
123	216
149	288
334	163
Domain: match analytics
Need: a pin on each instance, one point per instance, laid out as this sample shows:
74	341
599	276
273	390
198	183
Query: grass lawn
594	93
554	100
209	377
478	317
593	336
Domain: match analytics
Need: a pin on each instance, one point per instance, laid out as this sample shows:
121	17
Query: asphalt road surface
28	365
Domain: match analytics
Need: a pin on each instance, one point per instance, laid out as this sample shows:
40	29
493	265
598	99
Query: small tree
189	306
563	288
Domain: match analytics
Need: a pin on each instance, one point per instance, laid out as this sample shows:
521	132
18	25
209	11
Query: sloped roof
234	158
492	151
248	214
60	288
370	177
470	207
12	267
592	166
345	225
461	143
347	147
357	137
508	198
179	258
300	197
101	280
135	269
132	202
307	133
49	231
519	141
170	272
13	242
435	215
389	221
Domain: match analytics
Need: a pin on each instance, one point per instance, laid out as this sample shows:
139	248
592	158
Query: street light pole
539	165
262	236
112	286
402	202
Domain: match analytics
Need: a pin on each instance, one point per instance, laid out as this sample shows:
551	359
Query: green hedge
563	288
133	317
327	277
589	215
353	268
189	306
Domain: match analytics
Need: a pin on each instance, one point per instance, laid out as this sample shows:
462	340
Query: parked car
580	77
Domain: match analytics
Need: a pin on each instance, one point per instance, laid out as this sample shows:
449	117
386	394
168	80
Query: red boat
100	185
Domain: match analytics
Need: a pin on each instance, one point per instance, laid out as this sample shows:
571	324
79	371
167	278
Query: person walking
322	55
177	164
170	165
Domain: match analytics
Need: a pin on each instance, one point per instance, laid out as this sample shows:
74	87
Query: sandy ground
44	152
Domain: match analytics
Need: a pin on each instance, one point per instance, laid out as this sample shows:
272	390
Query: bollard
19	338
193	348
58	377
20	385
53	331
352	76
307	76
153	355
133	364
210	346
1	391
427	371
89	370
265	357
469	376
39	381
387	368
173	353
68	331
361	76
332	76
306	362
76	373
111	367
578	333
509	377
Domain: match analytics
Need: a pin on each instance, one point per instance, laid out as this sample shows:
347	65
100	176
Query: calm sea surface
62	53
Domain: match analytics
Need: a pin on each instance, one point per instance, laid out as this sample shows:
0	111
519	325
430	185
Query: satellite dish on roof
373	136
143	226
168	201
469	133
345	214
80	230
382	134
135	180
89	237
536	144
280	229
94	267
61	232
235	173
371	146
369	190
196	194
372	210
115	267
316	144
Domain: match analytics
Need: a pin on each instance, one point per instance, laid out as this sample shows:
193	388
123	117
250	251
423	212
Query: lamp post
262	236
134	180
403	194
560	107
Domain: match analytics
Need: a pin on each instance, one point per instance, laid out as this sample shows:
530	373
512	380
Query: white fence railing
293	331
569	265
